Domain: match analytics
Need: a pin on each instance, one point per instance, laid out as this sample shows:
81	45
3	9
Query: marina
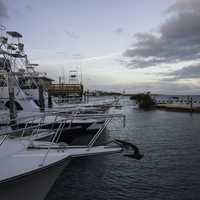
99	100
38	144
169	169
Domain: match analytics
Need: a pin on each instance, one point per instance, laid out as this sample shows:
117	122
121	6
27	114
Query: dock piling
191	104
41	97
12	106
49	100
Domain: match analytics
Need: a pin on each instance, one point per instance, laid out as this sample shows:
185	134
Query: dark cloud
161	87
119	31
189	72
177	40
184	5
3	10
71	34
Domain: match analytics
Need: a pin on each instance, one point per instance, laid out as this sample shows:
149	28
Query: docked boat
31	155
12	79
30	167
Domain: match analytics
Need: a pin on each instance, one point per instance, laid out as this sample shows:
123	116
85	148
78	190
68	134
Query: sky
130	45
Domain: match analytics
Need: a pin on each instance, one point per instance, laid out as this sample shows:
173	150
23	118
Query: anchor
127	146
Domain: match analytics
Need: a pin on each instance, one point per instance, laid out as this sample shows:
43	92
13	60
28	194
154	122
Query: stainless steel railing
33	129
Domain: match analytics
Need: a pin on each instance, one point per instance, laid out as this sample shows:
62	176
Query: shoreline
178	108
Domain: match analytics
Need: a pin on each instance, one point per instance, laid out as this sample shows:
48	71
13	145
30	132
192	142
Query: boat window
27	83
18	106
5	64
3	82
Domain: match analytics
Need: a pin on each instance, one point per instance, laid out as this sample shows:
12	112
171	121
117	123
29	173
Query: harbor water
169	170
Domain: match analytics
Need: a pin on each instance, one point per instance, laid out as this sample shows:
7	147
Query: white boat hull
34	185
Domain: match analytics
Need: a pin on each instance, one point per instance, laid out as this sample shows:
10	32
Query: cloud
156	88
83	58
71	34
29	8
77	56
163	87
101	57
190	72
184	5
3	10
177	40
118	31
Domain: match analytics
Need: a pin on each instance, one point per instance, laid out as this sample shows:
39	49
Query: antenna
63	75
81	74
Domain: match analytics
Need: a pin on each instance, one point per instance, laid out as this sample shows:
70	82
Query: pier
179	103
180	107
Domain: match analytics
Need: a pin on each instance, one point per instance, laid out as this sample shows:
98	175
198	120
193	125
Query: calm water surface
170	169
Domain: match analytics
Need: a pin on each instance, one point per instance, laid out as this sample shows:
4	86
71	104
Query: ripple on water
170	169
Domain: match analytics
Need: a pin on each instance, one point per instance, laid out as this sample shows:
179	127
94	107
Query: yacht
29	167
30	164
25	105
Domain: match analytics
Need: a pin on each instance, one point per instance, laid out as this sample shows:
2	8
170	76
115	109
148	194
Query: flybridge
14	34
13	49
